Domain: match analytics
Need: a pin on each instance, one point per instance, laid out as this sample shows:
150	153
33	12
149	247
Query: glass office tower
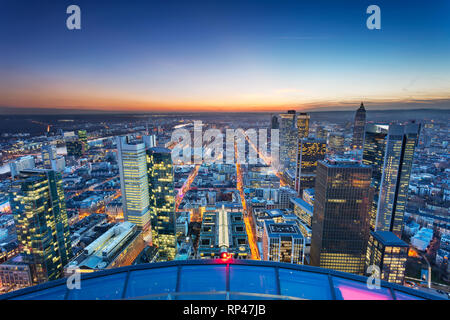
340	225
309	152
131	156
49	154
162	201
390	151
303	125
288	140
39	209
359	128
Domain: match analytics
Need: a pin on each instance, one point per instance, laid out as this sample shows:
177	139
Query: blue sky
227	55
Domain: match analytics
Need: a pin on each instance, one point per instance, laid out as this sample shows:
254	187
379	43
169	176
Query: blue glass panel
305	285
102	288
56	293
203	278
151	282
404	296
209	296
253	279
354	290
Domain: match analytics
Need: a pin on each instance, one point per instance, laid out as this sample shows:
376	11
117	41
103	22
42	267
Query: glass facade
162	201
133	181
390	150
309	152
389	253
340	225
288	140
216	279
38	205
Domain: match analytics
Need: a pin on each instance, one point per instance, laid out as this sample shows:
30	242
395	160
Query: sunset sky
224	55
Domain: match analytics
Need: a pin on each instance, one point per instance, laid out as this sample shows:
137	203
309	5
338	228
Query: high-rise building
340	224
131	155
162	201
274	122
359	128
82	136
26	162
303	125
283	242
39	209
390	151
48	155
335	145
386	251
309	152
288	140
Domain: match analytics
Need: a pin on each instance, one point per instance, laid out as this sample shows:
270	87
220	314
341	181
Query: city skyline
234	56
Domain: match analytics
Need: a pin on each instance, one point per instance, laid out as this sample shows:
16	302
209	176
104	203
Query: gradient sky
224	55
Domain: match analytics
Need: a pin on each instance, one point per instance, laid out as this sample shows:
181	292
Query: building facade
162	201
386	251
132	164
340	224
359	128
38	205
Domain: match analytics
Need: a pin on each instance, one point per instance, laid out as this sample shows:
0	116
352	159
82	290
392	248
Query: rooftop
221	280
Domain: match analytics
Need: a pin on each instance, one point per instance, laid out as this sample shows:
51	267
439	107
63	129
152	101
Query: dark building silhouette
359	128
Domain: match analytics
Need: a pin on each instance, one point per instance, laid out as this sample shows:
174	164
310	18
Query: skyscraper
358	128
48	155
162	201
390	151
274	122
309	152
82	136
303	125
288	140
133	180
39	209
340	225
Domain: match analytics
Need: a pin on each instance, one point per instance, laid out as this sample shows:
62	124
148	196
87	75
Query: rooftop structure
221	280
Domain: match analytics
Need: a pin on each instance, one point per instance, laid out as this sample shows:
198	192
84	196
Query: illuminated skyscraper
288	140
309	152
389	253
359	127
390	151
340	224
48	155
82	136
131	156
39	209
303	125
162	201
